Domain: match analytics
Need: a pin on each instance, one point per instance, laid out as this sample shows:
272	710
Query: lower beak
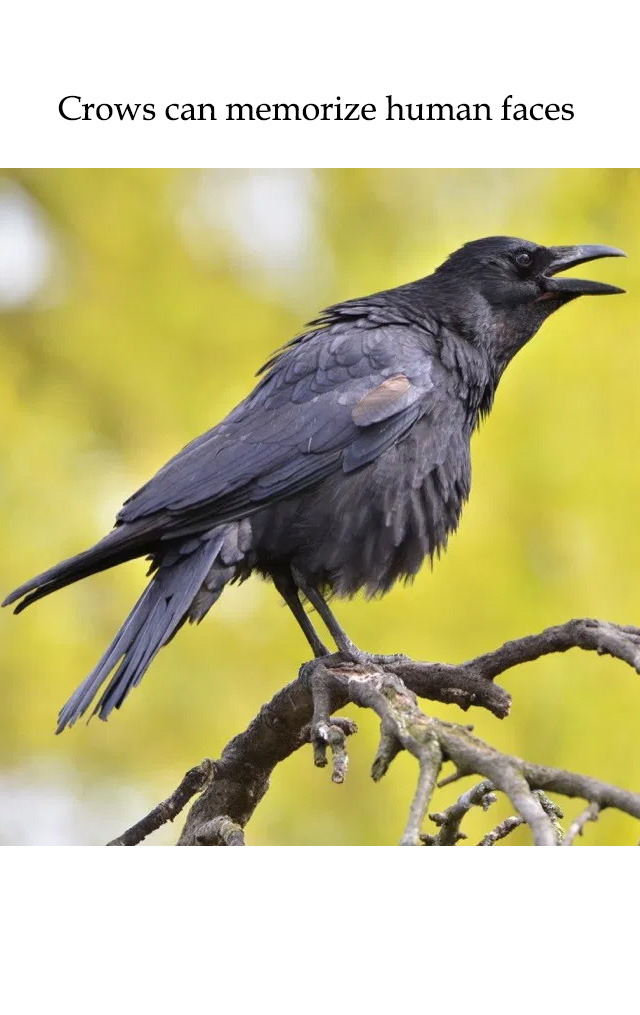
569	257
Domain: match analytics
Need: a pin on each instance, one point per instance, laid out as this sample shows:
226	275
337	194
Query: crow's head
509	272
506	287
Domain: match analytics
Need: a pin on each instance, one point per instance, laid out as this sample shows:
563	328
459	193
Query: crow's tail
190	577
123	543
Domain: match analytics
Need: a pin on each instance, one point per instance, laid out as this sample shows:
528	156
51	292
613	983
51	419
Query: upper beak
569	257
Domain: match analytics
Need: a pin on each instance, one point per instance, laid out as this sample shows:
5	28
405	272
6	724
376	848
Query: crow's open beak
569	257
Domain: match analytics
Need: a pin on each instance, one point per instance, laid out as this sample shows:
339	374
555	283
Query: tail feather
121	544
158	614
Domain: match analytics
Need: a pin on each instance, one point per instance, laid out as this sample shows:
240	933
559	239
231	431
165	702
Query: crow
345	467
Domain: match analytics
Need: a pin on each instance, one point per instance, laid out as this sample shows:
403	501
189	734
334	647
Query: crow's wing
335	400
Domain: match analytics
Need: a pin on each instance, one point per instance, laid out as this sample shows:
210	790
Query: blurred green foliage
159	294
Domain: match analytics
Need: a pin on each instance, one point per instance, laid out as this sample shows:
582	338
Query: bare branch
430	763
590	635
455	776
571	784
501	831
333	734
576	828
325	730
449	821
221	831
388	748
303	712
461	685
193	782
510	824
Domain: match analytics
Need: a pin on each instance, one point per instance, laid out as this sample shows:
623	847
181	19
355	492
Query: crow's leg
339	635
288	589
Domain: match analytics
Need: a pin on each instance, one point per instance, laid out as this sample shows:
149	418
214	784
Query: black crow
344	468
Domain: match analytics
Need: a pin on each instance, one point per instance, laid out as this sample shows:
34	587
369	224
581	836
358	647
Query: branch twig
576	828
510	824
220	831
193	782
501	831
450	820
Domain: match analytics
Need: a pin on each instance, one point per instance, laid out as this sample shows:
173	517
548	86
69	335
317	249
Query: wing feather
334	400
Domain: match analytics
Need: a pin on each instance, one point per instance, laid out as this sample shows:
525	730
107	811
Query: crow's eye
524	259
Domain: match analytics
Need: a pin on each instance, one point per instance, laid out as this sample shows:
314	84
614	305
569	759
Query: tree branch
303	712
194	781
449	821
576	828
509	825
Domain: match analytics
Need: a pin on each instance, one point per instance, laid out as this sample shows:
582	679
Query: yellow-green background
154	297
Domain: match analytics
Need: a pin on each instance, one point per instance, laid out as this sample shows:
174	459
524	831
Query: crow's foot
357	656
326	677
